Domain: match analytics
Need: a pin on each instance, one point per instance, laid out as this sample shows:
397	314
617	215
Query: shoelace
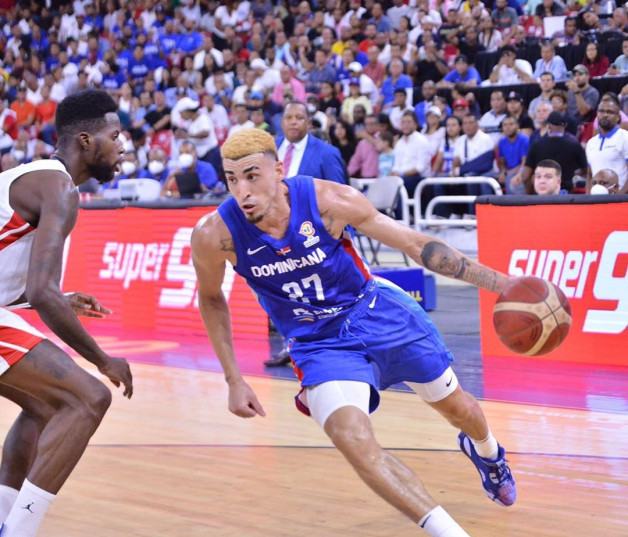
501	471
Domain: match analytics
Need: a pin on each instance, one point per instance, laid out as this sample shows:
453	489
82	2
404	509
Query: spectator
582	98
430	63
329	101
461	72
320	72
620	65
433	131
511	154
550	63
367	86
198	129
596	62
619	22
381	21
569	35
460	108
188	162
558	100
549	8
428	91
543	111
567	152
343	138
354	99
514	107
399	106
470	45
8	126
374	69
609	148
158	165
605	182
547	86
397	80
259	120
505	17
412	156
266	77
242	119
304	154
386	159
443	164
288	80
45	117
547	178
491	122
510	70
8	162
364	161
25	112
490	37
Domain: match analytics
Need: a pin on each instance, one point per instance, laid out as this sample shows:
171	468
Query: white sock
487	448
7	499
28	511
438	523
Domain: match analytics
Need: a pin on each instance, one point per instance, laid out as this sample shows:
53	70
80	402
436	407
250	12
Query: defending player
288	239
62	404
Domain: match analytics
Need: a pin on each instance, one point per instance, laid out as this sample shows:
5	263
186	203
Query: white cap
187	103
355	66
599	189
434	110
258	63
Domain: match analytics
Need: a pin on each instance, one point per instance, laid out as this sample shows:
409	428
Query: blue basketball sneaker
497	480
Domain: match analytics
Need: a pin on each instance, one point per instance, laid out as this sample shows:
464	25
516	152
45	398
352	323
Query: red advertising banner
138	262
583	249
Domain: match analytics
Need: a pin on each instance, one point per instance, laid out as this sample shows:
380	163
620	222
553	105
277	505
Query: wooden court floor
173	462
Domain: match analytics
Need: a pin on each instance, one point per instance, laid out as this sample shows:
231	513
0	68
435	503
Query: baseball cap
256	95
514	96
258	63
355	66
435	110
580	69
556	118
187	103
461	102
461	58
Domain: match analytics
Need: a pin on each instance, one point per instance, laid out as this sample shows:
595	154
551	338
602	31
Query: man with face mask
157	165
188	162
129	169
605	182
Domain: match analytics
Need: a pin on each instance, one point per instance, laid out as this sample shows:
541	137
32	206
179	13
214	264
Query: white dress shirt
297	154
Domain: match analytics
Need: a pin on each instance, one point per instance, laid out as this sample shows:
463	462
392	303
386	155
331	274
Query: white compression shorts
324	399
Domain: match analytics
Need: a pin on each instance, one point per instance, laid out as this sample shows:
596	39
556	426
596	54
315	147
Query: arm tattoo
226	245
442	259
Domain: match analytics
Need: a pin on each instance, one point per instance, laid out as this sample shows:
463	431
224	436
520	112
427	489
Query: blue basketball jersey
306	281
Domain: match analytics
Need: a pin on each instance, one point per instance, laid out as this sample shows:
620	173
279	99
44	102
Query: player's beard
254	218
100	170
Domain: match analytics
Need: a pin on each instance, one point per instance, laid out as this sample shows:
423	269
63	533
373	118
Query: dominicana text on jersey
307	281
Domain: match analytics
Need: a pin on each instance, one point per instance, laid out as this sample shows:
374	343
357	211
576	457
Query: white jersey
16	235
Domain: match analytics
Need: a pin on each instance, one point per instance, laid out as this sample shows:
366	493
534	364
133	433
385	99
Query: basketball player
62	405
288	239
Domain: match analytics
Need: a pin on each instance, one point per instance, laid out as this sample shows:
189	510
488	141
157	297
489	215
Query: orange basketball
531	316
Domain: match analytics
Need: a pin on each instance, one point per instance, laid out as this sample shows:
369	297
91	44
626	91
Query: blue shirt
472	74
513	152
306	281
388	87
206	173
168	42
190	42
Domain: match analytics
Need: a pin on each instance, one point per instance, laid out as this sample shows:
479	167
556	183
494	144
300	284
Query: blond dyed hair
247	142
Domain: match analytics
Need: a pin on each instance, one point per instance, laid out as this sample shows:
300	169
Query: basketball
531	317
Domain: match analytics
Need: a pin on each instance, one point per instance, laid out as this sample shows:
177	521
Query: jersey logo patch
307	229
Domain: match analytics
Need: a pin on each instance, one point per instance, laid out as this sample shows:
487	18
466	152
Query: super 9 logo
572	271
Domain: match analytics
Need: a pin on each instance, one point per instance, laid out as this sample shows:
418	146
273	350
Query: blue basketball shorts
387	338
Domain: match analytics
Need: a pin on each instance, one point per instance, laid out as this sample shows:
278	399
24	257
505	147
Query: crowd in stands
394	85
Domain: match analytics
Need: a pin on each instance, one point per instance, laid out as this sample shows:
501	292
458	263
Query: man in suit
304	154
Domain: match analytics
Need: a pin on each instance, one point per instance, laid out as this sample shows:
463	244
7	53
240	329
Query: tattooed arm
212	247
340	205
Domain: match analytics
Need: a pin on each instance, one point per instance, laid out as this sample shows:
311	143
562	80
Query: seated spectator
489	37
8	127
343	137
129	169
45	117
397	80
512	150
558	100
505	17
328	98
547	86
460	108
158	165
620	65
549	8
567	152
433	131
491	122
8	162
354	99
374	69
443	163
619	22
242	119
288	80
367	86
514	107
582	98
188	162
543	111
364	161
431	62
469	46
461	72
510	70
605	182
608	148
399	106
550	63
386	157
547	178
25	111
569	35
320	72
596	62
